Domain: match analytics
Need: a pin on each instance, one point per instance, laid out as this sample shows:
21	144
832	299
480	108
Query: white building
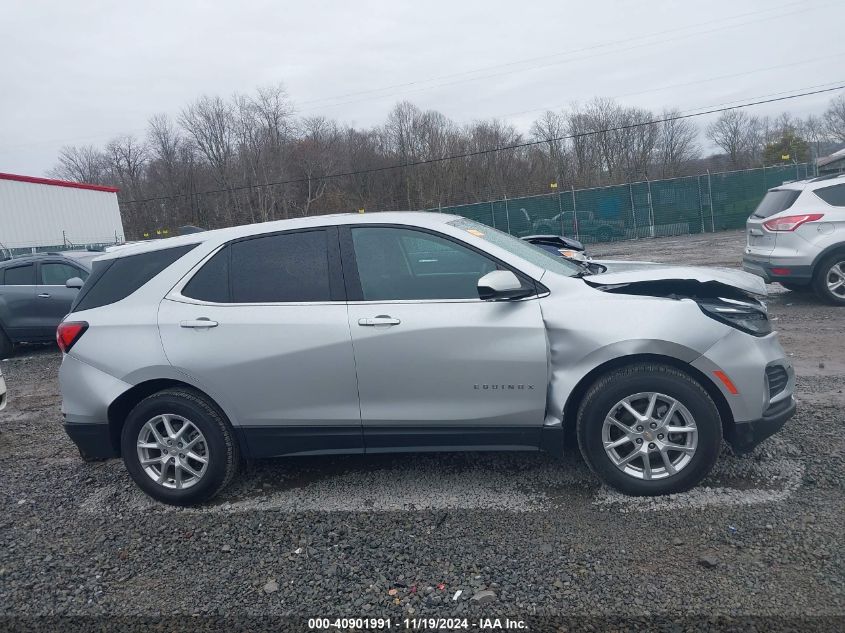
43	214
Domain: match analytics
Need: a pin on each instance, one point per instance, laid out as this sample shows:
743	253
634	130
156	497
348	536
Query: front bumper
94	441
773	270
744	436
2	393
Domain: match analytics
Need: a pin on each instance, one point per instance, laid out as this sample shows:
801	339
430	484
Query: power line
607	44
492	150
693	83
375	91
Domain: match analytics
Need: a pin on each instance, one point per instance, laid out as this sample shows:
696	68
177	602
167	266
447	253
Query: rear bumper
93	440
772	271
744	436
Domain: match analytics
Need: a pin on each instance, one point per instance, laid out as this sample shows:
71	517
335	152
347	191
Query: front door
262	327
437	367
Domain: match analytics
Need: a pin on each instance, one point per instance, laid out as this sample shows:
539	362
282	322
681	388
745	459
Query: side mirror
502	285
74	282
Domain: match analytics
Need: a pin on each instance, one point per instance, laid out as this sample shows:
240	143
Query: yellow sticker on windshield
475	232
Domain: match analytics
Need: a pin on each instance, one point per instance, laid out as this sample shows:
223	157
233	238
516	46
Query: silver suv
796	237
410	332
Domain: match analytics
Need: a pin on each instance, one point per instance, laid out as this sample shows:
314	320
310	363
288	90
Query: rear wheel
649	429
829	279
178	447
6	346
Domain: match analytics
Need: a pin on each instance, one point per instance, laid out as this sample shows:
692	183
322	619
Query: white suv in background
796	237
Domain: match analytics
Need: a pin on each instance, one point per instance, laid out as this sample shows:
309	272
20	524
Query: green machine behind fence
676	206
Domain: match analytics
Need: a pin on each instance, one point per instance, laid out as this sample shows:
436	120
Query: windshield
518	247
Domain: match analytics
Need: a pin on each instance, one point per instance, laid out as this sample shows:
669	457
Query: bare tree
834	118
551	128
737	134
677	143
80	164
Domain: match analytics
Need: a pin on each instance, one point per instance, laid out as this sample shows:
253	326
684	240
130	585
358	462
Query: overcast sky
81	72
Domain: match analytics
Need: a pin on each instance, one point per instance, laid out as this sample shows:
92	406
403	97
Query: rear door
18	310
262	326
53	298
437	367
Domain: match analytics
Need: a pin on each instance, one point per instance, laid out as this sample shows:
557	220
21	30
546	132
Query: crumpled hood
618	275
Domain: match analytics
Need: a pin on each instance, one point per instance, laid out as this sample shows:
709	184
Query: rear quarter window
116	279
834	195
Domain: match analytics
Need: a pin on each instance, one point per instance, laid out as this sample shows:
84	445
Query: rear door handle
200	323
44	295
381	319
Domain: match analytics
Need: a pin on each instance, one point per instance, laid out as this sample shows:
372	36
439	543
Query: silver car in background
410	332
796	237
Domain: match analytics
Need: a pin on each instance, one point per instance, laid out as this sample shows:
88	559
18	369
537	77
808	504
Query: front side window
20	276
402	264
56	274
282	268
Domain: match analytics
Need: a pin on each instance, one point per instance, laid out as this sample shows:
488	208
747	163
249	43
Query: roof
57	183
826	160
428	219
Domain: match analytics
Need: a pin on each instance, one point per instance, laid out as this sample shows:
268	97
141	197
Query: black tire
6	346
621	383
796	287
820	278
222	449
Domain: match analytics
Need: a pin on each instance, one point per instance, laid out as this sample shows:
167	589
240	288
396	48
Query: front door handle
381	319
44	295
200	323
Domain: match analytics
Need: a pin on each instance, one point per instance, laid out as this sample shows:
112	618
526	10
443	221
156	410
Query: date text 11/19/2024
416	624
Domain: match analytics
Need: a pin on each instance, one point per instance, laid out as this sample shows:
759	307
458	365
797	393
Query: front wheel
178	447
649	429
829	279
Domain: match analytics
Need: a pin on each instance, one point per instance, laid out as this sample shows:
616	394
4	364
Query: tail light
791	222
68	333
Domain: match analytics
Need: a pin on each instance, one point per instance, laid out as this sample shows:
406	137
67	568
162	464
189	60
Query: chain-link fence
676	206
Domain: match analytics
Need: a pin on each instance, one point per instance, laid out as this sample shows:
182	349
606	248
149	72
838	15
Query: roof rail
826	177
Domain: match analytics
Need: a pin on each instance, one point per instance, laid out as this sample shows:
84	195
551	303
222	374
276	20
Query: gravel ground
758	546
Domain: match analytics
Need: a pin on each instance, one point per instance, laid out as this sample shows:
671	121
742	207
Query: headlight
748	316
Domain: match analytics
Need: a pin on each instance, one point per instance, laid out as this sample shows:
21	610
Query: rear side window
20	276
116	279
834	195
775	201
288	267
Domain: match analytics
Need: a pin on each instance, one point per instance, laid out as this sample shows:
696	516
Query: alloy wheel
835	279
172	451
650	435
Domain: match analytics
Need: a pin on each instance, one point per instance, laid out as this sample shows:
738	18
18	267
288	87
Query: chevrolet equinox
410	332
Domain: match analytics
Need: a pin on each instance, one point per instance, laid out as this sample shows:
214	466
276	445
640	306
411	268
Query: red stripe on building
57	183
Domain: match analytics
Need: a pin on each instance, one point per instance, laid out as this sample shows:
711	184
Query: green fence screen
691	204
